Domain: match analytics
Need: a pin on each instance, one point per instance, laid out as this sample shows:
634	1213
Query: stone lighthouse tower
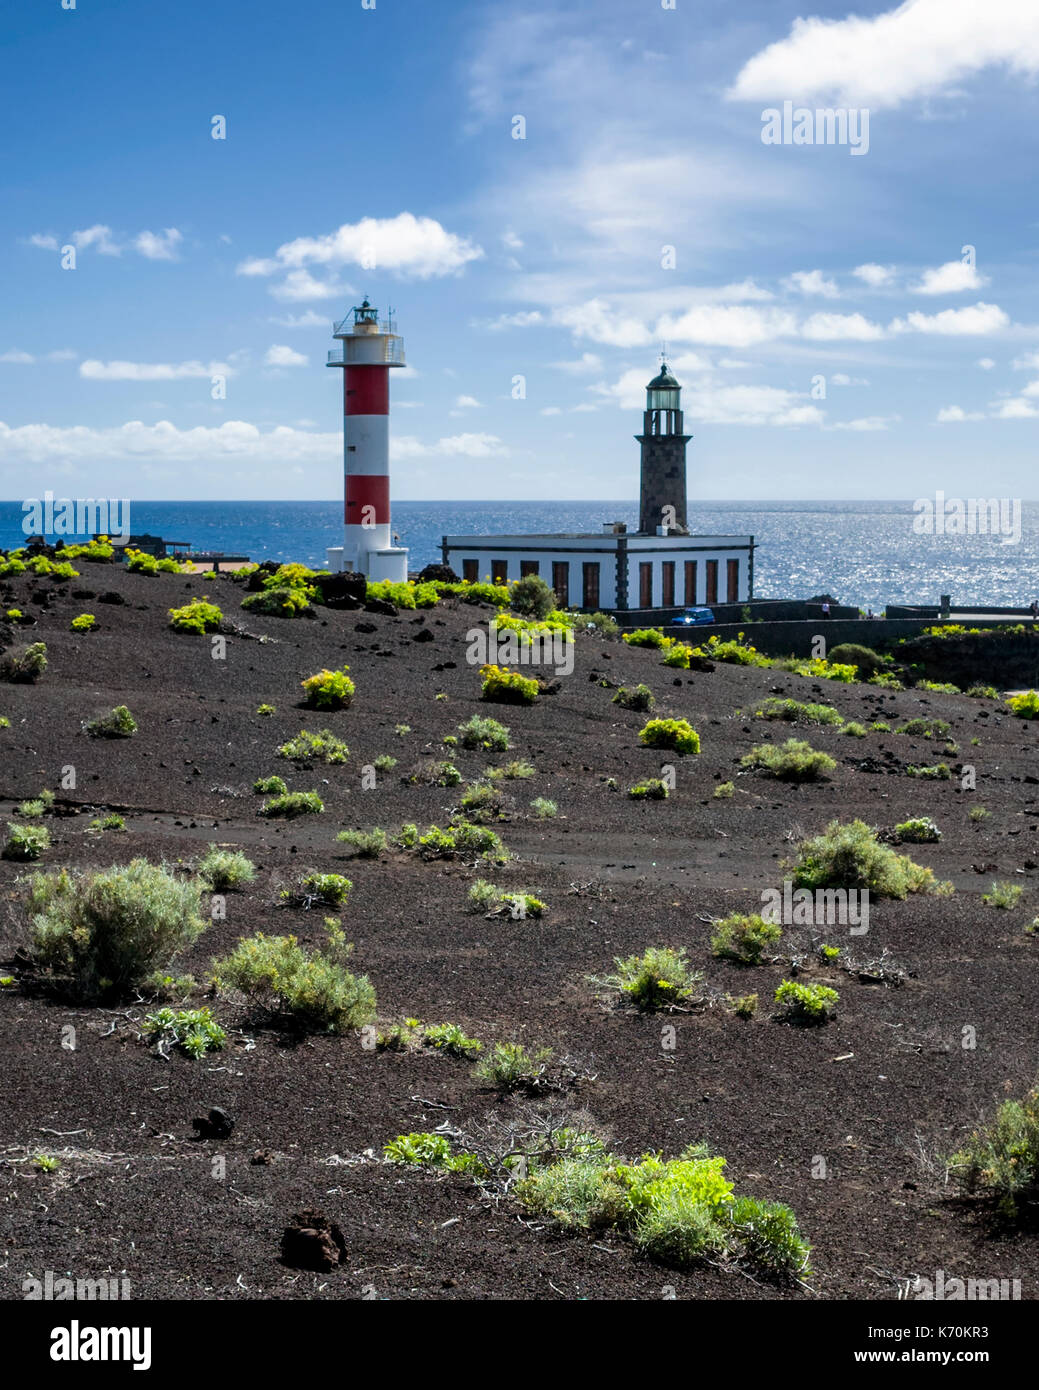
662	499
367	350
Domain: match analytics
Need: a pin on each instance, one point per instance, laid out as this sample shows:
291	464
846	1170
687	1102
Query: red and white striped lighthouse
366	352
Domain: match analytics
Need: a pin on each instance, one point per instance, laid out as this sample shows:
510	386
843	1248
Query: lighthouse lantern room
367	350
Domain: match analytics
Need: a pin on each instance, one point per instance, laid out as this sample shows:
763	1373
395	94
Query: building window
667	584
529	567
471	571
646	584
561	581
499	571
590	586
732	580
712	582
690	582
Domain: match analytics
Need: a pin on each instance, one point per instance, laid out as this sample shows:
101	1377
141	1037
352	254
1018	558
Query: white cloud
512	241
951	278
876	276
99	236
865	424
14	355
463	445
134	440
595	320
919	49
727	325
309	319
977	319
280	356
523	318
587	362
161	246
93	370
955	415
405	245
986	363
1026	363
44	240
1015	409
812	282
299	286
466	403
830	327
551	410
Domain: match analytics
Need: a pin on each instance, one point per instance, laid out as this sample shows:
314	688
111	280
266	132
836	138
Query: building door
561	581
529	567
712	582
667	584
499	571
646	585
732	580
590	586
690	583
471	571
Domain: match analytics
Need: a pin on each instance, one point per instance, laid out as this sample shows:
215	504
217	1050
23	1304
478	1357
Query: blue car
693	617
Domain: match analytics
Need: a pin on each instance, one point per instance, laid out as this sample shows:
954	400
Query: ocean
863	553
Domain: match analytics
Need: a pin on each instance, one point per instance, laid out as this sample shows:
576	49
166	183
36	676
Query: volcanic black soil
868	1100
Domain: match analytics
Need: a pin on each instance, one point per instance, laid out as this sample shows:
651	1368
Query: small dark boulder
218	1124
312	1241
440	574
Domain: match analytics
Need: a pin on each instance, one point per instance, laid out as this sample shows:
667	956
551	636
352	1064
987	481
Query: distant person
1034	609
826	610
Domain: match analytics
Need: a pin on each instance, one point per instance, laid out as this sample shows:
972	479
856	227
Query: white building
661	565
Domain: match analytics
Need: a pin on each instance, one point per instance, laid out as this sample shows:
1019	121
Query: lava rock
312	1241
218	1124
423	635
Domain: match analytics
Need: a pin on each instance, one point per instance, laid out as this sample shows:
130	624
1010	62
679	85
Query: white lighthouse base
389	563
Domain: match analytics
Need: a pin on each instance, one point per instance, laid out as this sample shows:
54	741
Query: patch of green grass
306	748
479	731
113	821
543	808
366	844
515	769
935	772
1003	895
792	761
795	712
222	870
510	1067
744	938
924	728
978	814
384	763
293	804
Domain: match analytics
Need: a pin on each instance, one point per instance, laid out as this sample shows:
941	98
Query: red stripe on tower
366	391
367	490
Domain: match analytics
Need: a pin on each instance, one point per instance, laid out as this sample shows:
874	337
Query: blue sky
355	130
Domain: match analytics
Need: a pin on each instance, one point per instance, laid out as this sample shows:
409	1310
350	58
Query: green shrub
661	978
197	616
801	1003
505	687
867	662
887	680
639	697
293	804
850	856
431	1151
288	983
599	624
924	728
113	821
1026	705
647	637
543	808
482	802
745	1005
460	838
366	844
329	689
24	666
653	789
266	711
1003	895
306	748
101	934
37	806
26	842
448	1037
194	1031
939	687
793	761
437	773
84	622
223	869
794	712
267	786
919	831
983	692
531	597
743	938
854	729
482	732
313	887
677	734
880	726
1002	1159
117	723
724	790
936	772
384	763
402	730
515	769
979	814
510	1067
493	901
282	602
